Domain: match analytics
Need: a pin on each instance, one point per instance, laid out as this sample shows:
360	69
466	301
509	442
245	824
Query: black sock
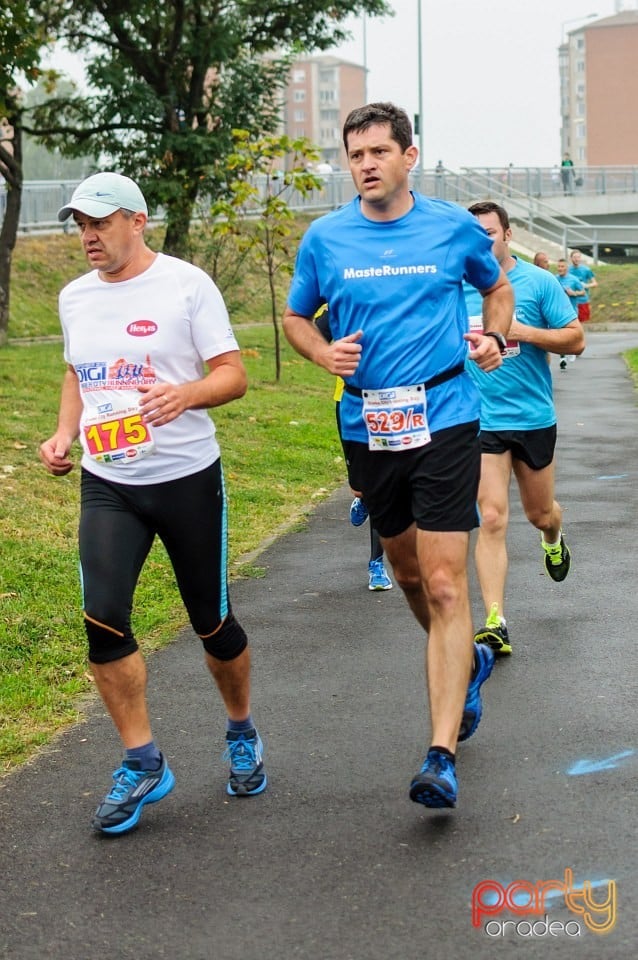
447	753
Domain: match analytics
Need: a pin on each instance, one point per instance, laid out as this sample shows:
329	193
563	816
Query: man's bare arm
341	357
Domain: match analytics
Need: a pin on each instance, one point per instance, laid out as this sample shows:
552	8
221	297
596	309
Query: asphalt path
334	862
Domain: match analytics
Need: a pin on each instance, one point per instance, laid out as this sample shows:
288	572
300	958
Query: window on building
298	76
582	154
300	115
330	134
329	116
580	66
300	131
581	108
327	75
299	96
581	131
327	96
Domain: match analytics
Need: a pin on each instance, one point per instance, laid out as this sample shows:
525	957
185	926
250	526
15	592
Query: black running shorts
435	486
533	447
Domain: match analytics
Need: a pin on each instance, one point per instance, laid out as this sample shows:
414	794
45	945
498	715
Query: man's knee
494	517
108	643
228	642
444	590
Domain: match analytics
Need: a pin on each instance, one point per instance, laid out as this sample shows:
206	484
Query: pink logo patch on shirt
141	328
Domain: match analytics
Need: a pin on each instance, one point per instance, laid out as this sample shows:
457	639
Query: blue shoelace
241	754
124	780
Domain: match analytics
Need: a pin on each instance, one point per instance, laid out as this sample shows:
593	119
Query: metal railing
528	193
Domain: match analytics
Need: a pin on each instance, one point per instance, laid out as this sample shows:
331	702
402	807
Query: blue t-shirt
399	281
518	396
584	274
571	281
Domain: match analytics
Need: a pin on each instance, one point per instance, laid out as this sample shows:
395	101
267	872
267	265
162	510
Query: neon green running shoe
494	633
557	559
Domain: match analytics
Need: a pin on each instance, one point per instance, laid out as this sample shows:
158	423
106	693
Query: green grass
615	299
280	454
631	356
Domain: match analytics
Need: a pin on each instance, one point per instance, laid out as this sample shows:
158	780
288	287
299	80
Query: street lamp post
365	60
420	63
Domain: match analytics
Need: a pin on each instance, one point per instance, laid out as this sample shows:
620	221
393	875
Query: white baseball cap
102	194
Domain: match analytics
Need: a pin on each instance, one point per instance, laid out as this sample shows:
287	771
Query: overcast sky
490	74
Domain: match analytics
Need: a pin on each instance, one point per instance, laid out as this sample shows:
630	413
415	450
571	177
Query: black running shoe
557	560
247	776
494	633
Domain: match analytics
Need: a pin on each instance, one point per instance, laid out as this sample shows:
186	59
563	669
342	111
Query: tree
263	174
171	81
23	34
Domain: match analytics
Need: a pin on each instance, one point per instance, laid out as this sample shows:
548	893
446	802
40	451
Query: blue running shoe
483	663
358	512
378	578
132	788
435	785
245	751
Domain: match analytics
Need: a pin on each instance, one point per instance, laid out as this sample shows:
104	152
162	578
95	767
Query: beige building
599	91
321	92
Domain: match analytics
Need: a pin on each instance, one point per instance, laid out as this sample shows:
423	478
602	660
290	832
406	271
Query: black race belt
432	382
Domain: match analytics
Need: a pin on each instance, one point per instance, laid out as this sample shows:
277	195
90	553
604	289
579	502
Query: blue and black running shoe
245	751
358	512
436	784
132	788
483	664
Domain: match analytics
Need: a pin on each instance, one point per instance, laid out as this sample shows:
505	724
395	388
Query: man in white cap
149	349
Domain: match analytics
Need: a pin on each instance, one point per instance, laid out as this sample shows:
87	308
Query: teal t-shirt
519	396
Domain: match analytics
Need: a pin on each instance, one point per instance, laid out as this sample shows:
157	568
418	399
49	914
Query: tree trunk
275	319
177	241
11	169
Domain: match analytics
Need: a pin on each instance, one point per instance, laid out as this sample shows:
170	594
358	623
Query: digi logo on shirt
91	372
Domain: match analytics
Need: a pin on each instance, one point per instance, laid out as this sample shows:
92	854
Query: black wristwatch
500	339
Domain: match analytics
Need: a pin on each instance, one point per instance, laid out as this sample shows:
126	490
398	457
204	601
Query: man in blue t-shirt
586	276
574	290
391	265
518	421
570	283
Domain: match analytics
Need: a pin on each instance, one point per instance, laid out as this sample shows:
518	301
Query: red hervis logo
141	328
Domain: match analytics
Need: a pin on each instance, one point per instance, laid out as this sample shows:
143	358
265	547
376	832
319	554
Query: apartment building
599	90
321	92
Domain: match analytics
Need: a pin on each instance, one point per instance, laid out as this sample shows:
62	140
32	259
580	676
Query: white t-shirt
159	326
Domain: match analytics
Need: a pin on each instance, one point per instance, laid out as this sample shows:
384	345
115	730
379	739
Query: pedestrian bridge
596	210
